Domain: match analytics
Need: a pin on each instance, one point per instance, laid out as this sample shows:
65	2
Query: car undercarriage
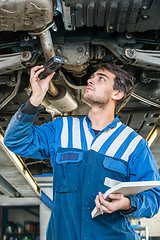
84	33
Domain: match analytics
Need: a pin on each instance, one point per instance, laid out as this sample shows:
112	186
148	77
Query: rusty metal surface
16	15
114	15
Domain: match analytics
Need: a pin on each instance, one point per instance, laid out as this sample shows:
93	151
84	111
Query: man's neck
100	117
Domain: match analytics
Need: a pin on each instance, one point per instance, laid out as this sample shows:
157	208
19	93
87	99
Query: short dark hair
123	82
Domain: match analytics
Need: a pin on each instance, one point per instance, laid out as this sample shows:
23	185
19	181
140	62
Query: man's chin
92	101
89	100
86	98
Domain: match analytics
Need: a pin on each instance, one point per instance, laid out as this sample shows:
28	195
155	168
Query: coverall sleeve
144	168
28	140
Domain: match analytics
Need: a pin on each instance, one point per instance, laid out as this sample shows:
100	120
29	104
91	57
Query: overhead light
31	181
152	138
154	133
17	161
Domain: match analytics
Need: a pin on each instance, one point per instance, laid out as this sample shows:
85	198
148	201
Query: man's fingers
106	210
101	198
117	202
97	202
116	196
112	196
103	207
34	70
36	74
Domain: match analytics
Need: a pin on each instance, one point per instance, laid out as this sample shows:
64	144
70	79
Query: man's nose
90	81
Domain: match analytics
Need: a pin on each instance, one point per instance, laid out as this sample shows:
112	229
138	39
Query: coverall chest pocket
116	170
67	171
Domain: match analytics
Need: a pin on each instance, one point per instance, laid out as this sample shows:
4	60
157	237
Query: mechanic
85	153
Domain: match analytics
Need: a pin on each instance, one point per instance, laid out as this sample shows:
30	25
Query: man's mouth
88	88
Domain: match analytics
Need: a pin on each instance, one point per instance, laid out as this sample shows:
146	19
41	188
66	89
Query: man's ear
117	95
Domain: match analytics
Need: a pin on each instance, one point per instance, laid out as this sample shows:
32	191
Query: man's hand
118	202
39	87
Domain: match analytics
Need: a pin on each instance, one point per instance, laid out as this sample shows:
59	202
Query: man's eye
102	79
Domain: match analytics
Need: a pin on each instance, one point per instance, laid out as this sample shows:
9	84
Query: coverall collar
113	124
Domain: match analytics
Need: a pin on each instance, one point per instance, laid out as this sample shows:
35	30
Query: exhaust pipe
48	51
58	97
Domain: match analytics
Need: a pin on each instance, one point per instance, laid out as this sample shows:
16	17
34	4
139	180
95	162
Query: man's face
100	87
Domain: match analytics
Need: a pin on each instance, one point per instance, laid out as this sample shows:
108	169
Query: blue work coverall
82	162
